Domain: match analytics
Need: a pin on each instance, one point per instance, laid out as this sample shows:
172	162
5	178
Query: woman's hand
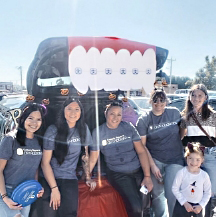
148	183
188	207
40	193
91	183
55	198
155	170
11	204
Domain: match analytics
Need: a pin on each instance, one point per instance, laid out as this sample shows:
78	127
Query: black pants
180	211
69	199
128	185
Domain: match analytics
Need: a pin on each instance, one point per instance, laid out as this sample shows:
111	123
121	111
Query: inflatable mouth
111	63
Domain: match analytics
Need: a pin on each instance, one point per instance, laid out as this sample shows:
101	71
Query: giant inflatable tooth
111	65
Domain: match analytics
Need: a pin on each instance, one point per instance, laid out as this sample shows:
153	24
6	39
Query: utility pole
20	68
171	60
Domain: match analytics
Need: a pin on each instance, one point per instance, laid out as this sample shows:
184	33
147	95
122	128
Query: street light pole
20	68
171	60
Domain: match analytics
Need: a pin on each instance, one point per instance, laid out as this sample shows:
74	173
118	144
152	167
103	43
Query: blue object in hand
26	193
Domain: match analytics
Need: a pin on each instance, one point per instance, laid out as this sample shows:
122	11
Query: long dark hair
21	133
206	109
61	146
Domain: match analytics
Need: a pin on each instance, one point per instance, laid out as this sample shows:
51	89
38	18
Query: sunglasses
159	100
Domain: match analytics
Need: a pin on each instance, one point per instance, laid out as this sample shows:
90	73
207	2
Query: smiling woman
63	144
126	159
20	158
159	132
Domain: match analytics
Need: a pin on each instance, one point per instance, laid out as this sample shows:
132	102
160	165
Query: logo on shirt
74	139
114	140
193	188
104	143
25	151
155	127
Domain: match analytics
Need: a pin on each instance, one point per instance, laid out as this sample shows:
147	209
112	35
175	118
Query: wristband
147	176
4	195
54	187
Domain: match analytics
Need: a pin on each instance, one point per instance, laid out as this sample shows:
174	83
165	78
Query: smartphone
144	190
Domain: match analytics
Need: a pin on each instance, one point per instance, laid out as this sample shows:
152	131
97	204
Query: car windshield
50	82
142	103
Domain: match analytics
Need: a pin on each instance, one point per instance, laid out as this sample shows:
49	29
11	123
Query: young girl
20	158
197	108
192	186
62	147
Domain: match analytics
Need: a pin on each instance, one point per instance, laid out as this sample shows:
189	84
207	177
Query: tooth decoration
77	67
107	75
92	70
123	75
112	67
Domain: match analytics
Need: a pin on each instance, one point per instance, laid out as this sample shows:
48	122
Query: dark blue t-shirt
22	161
163	138
67	170
117	146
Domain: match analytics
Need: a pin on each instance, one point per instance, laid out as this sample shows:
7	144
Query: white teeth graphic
111	71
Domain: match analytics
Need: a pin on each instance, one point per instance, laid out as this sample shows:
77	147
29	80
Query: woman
126	159
159	132
20	157
62	148
197	108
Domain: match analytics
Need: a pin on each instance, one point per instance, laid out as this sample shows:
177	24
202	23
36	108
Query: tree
181	81
175	79
206	75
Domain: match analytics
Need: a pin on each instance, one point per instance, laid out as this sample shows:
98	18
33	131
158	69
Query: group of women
149	154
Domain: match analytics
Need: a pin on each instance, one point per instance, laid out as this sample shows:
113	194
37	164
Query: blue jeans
5	211
209	166
162	192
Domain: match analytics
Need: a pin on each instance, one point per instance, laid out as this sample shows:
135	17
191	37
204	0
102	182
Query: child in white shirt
192	186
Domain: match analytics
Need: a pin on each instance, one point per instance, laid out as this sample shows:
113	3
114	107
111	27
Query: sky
187	28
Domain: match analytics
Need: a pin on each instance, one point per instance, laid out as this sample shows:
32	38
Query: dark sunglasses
159	100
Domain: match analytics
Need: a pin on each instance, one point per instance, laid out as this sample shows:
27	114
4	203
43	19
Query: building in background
6	87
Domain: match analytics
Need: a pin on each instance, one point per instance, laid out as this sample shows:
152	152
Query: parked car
135	106
13	101
2	95
176	96
142	102
212	93
7	103
182	91
180	103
